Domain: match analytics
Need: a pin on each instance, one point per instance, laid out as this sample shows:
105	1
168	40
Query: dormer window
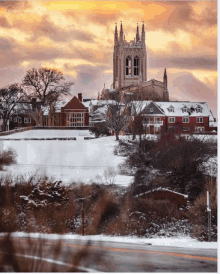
171	109
199	109
185	109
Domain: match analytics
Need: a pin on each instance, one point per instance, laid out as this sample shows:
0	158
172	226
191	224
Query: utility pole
82	218
83	212
209	215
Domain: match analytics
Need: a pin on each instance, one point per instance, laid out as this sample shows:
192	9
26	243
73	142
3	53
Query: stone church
130	71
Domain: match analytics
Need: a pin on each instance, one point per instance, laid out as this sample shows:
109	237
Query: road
125	257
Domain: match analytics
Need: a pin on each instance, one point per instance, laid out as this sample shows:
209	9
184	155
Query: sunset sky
77	37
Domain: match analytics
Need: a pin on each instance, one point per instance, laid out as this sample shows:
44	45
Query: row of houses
158	117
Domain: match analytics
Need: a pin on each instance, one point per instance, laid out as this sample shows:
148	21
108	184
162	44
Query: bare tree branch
46	84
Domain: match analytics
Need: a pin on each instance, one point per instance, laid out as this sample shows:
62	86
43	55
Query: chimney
80	96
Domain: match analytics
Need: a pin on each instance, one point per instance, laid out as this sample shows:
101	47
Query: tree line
45	85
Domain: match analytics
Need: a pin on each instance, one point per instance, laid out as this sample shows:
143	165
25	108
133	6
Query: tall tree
48	85
117	117
11	96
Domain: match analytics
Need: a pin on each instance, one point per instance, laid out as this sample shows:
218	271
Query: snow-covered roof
60	104
213	124
101	102
99	115
179	106
87	104
139	106
162	189
112	90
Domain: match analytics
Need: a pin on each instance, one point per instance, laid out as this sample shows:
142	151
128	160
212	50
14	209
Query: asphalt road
148	258
124	257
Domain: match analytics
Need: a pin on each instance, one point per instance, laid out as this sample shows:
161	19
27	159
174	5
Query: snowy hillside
79	160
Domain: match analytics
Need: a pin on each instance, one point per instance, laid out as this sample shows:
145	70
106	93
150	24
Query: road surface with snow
126	254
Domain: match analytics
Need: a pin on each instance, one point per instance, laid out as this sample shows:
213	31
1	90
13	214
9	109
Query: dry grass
38	255
198	215
44	207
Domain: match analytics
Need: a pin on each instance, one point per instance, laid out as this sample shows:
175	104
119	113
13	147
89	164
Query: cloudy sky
77	38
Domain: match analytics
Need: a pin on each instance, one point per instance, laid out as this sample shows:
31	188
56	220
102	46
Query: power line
64	166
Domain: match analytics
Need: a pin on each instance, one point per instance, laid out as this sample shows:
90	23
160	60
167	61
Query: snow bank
49	133
186	242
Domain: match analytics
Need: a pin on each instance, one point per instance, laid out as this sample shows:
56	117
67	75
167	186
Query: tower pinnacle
143	33
121	33
116	33
137	34
165	78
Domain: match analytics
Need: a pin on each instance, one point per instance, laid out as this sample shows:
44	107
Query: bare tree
136	122
46	84
11	96
117	117
110	175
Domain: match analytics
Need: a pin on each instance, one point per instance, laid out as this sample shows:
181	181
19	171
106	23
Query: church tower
129	59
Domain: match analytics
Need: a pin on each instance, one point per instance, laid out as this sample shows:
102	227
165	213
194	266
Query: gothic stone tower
129	59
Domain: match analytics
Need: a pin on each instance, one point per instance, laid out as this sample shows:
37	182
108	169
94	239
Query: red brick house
179	117
21	120
72	113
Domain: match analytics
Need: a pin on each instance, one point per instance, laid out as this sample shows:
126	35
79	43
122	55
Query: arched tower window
128	65
136	65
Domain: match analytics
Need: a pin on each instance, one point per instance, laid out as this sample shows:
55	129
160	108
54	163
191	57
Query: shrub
7	157
198	215
100	129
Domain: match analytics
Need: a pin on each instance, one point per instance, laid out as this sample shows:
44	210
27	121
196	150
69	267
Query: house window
15	119
171	120
185	109
157	120
185	119
199	119
171	109
185	129
146	120
19	120
27	120
151	110
199	109
136	65
128	66
199	129
75	119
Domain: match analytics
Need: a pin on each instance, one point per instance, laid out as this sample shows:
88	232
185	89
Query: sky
77	37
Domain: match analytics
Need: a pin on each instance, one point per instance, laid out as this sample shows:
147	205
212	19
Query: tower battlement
129	59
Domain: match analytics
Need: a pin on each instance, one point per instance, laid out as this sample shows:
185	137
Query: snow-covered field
68	160
183	241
